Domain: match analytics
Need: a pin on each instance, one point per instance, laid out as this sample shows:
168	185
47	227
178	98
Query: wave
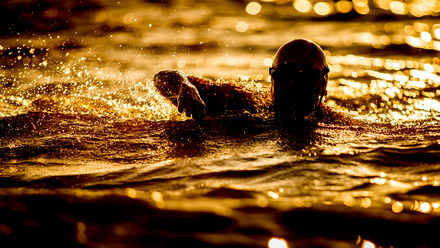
127	160
77	218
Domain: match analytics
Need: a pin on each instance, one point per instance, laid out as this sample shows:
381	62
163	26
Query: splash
59	82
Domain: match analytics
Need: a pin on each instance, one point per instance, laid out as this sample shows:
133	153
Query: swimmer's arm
175	86
219	97
224	97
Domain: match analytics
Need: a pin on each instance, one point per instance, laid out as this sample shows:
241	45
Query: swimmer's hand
174	84
189	100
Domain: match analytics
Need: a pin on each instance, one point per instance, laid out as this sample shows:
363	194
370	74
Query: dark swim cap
301	51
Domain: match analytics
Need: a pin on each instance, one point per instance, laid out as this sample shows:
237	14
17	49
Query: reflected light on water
422	35
378	181
343	6
425	207
181	63
437	32
277	243
303	6
349	201
241	27
81	235
365	243
426	37
436	207
417	206
158	199
273	195
417	8
323	8
157	196
406	89
366	202
268	62
128	18
130	192
253	8
361	6
101	16
397	207
368	244
398	8
262	202
428	105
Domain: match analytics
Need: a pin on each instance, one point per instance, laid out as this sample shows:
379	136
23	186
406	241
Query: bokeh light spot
426	36
418	10
397	207
253	8
425	207
437	32
361	6
267	62
128	18
366	202
157	196
322	8
130	192
241	27
398	8
303	6
344	6
181	63
368	244
277	243
273	195
349	201
81	235
101	16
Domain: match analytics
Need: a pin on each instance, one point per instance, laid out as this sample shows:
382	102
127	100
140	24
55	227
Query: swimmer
299	76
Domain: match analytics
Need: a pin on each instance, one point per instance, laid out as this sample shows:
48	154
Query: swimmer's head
299	78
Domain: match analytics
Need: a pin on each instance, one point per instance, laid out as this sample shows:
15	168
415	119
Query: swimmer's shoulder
225	96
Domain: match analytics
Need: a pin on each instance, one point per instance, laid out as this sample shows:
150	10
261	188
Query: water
92	156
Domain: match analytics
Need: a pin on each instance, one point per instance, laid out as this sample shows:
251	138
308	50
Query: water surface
92	156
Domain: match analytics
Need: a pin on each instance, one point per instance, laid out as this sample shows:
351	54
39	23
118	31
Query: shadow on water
297	136
186	139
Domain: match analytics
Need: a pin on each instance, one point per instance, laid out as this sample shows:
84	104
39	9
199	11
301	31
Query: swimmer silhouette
299	76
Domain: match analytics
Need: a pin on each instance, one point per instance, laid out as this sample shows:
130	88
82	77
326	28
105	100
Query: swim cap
301	51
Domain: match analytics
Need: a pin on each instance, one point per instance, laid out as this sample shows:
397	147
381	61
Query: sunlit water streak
84	134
